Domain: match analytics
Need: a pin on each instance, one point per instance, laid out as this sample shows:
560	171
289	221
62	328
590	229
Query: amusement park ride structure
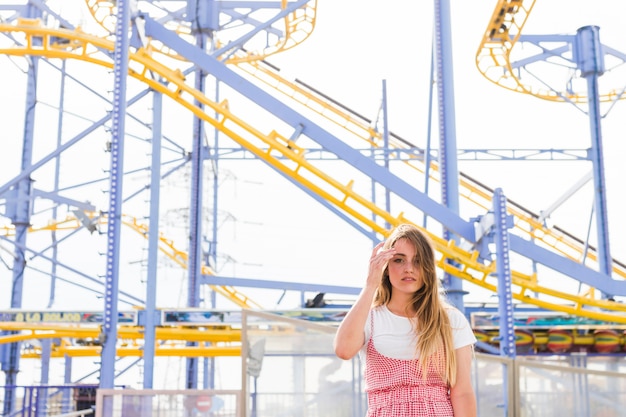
173	51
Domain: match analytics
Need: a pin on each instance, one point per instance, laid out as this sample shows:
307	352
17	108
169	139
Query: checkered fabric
395	387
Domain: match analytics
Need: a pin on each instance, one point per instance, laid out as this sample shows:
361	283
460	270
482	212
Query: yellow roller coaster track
287	157
524	222
165	245
83	340
297	26
493	55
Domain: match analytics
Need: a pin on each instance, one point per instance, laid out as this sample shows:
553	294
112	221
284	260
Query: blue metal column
57	172
385	136
590	60
428	149
447	132
195	215
67	379
151	319
42	395
502	223
209	363
111	296
19	212
386	146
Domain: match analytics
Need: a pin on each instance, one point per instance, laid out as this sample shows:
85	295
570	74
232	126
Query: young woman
417	348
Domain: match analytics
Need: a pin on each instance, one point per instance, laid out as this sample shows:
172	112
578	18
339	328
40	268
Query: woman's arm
462	394
350	335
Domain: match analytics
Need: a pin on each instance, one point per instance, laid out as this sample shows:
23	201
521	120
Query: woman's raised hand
378	262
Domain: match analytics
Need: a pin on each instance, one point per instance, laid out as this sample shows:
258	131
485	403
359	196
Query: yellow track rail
170	341
493	57
165	245
524	222
296	26
181	258
287	157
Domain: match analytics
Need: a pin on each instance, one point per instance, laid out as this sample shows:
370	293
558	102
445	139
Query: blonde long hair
431	322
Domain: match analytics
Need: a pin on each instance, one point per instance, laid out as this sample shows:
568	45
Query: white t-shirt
394	336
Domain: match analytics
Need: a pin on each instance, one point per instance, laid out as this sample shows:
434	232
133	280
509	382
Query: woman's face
404	272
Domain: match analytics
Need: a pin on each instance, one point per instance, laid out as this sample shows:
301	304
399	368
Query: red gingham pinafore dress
395	387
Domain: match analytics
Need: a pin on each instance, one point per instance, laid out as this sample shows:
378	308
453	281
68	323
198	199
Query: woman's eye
398	260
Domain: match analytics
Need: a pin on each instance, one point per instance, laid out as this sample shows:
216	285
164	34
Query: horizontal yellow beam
175	351
52	331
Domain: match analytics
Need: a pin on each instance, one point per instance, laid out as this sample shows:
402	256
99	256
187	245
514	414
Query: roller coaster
162	60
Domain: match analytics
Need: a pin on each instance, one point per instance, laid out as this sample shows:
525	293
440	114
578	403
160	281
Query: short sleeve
462	332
